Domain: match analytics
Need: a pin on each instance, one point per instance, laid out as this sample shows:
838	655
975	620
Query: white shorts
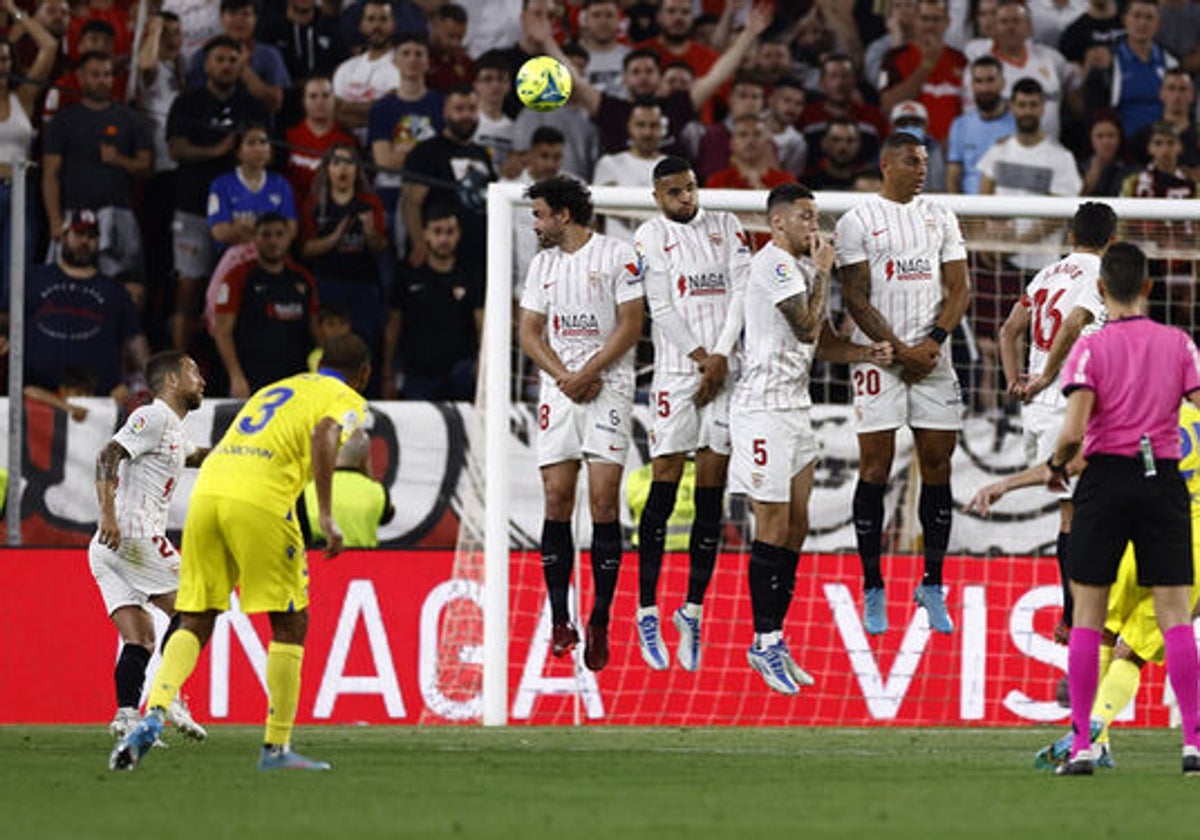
678	425
569	431
1041	424
140	568
769	449
883	401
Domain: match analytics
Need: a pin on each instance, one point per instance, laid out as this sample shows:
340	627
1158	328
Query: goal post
501	390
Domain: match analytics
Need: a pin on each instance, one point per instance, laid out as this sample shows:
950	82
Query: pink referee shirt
1138	370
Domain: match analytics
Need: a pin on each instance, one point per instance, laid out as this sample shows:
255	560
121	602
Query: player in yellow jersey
241	531
1131	633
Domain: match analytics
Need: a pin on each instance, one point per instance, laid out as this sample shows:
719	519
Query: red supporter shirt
941	94
304	155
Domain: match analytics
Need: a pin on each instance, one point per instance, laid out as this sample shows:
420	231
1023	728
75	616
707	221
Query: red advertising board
394	638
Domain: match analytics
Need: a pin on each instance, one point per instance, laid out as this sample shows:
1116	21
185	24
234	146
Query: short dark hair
670	165
988	61
1028	86
452	11
835	58
789	81
1162	128
1123	270
634	55
346	354
547	135
645	102
435	211
269	218
681	65
1093	225
786	194
563	191
166	14
238	5
327	312
410	37
901	139
459	90
221	41
161	364
94	55
493	60
574	49
99	27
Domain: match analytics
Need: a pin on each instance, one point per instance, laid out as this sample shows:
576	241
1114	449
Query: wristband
939	335
1056	469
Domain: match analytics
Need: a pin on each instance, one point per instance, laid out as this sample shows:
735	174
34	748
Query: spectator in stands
91	153
309	139
784	107
53	15
911	116
749	159
599	34
1049	18
839	97
401	119
436	317
926	70
1089	41
635	166
201	129
330	322
237	199
901	29
1104	170
17	108
572	121
1179	33
1178	96
96	36
76	316
117	17
973	133
160	65
491	24
408	15
261	70
360	503
676	78
343	231
493	85
264	312
747	97
840	159
449	64
75	382
543	160
1139	62
771	62
674	40
308	40
983	18
643	77
371	74
201	21
537	22
450	169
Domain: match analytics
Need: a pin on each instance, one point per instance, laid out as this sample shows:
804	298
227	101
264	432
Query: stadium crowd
242	178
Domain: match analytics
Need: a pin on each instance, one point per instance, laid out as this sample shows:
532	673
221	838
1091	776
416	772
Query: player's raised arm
805	313
757	22
108	464
326	438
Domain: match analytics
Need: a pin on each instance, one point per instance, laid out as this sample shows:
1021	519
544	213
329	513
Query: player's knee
604	510
290	628
559	504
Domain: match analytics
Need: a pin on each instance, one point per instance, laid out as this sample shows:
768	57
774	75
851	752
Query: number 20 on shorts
866	382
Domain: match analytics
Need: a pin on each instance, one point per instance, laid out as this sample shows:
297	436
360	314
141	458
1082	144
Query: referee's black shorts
1116	503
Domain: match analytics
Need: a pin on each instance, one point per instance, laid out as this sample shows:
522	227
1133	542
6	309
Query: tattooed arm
107	465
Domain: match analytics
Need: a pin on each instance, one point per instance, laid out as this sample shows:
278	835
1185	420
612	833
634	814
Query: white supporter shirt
153	436
692	270
361	79
1045	64
579	294
904	246
1050	297
775	364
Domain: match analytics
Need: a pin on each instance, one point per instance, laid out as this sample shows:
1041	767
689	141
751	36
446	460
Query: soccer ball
543	83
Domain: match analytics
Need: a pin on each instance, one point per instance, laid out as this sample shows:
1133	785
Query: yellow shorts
1131	607
228	543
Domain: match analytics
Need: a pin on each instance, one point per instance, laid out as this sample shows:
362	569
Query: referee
1123	386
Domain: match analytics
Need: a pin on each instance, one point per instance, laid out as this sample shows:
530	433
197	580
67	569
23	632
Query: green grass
594	782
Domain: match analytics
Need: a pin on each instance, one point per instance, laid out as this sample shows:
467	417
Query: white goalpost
494	534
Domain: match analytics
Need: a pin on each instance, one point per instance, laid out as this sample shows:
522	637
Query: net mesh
1001	665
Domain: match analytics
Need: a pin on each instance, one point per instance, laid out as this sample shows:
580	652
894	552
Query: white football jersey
153	436
693	268
1051	295
905	246
775	364
579	294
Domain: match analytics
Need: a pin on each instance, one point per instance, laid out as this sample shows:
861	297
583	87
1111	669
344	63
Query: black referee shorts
1116	503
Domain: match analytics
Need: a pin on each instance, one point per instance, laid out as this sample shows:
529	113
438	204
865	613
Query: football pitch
594	782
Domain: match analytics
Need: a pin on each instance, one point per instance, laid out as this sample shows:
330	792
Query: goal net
999	667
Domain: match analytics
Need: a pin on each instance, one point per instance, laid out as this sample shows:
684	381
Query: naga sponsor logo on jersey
903	270
577	325
286	311
699	285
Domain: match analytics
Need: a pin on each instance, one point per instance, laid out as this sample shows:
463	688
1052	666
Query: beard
78	258
462	130
683	218
1028	125
986	103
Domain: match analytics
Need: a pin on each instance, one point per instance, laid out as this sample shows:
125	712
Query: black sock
652	536
868	530
705	541
936	508
130	674
787	588
1064	574
606	565
558	558
767	565
172	626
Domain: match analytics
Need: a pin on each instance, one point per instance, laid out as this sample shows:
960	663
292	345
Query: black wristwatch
939	335
1056	469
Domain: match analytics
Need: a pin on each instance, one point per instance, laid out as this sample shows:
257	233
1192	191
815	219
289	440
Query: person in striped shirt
903	269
